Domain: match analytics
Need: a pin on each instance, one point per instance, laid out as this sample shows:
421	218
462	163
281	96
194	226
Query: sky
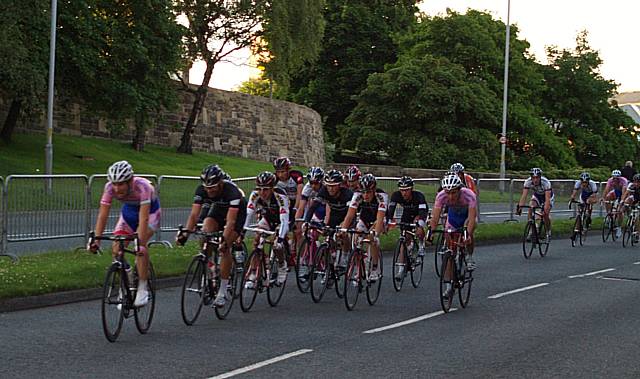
612	27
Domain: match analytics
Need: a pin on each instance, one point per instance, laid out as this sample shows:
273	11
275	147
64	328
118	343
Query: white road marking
499	295
254	366
591	273
636	263
616	279
407	322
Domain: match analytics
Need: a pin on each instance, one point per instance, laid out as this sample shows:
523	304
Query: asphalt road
582	323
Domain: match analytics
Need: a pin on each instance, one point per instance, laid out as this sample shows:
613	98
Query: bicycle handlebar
259	230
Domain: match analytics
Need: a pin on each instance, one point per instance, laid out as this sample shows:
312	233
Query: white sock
223	284
142	284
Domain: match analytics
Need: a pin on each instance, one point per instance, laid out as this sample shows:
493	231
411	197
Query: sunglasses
369	191
212	186
263	188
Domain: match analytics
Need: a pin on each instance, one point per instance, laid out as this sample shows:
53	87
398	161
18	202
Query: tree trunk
185	142
11	120
139	136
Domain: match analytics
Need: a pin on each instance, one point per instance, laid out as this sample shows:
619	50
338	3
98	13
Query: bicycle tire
114	294
373	288
248	295
320	274
527	246
576	231
223	312
339	273
398	280
439	248
305	251
607	228
465	278
194	283
417	266
240	270
543	244
144	315
445	302
634	232
626	236
275	289
354	279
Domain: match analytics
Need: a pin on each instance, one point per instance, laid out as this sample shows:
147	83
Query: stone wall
231	123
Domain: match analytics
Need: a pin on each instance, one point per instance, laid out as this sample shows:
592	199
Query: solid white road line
615	279
261	364
407	322
591	273
636	263
499	295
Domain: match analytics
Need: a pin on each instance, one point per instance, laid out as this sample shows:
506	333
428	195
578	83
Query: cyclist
140	214
414	210
467	180
588	194
352	177
310	191
274	206
461	210
631	196
542	196
616	184
220	205
292	183
371	206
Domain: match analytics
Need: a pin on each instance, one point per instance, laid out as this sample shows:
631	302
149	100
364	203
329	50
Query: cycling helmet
636	177
120	172
315	175
616	173
405	182
212	175
456	168
353	173
281	163
585	177
266	179
536	171
333	177
451	181
368	182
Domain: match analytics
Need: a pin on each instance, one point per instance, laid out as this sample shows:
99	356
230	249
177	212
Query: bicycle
260	275
304	259
535	233
327	267
411	262
120	286
359	268
203	278
630	235
611	222
454	260
440	246
580	227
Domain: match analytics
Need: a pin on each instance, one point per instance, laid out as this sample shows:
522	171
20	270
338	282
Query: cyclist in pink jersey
612	191
140	213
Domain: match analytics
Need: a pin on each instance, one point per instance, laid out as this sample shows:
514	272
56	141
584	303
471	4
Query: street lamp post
503	140
52	69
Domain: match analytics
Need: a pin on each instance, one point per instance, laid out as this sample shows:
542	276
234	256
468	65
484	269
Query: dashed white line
591	273
406	322
636	263
254	366
615	279
499	295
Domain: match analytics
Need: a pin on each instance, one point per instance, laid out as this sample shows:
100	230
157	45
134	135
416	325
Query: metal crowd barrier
496	198
3	225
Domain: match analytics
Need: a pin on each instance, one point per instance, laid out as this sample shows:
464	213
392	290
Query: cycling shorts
129	218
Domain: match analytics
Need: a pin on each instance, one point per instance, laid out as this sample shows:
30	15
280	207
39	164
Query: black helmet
212	175
368	182
636	177
266	179
405	182
333	177
315	175
353	173
281	163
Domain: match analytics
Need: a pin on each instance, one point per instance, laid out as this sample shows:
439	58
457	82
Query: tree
24	54
217	28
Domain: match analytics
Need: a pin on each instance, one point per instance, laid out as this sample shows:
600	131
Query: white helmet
120	172
616	173
450	182
456	168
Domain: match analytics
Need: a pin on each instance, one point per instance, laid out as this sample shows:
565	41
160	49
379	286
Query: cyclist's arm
229	228
435	218
471	220
300	209
143	223
573	194
298	202
327	214
193	216
625	194
101	221
284	220
391	211
606	190
525	191
348	219
379	226
547	201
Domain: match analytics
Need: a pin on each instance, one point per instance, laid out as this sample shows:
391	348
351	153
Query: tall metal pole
503	140
52	70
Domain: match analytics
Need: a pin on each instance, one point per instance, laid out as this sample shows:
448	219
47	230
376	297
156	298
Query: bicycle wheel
439	248
275	289
399	269
114	300
543	242
465	278
222	312
339	274
634	232
320	273
354	280
614	227
445	301
251	277
239	264
194	289
626	236
304	262
607	229
144	315
575	234
528	239
584	230
417	266
373	288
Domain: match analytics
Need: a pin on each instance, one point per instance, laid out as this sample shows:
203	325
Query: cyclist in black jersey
220	205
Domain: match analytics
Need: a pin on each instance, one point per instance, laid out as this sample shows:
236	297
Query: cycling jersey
539	190
290	186
275	210
368	210
339	205
470	183
141	192
308	194
217	207
617	184
458	211
415	207
633	192
587	191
